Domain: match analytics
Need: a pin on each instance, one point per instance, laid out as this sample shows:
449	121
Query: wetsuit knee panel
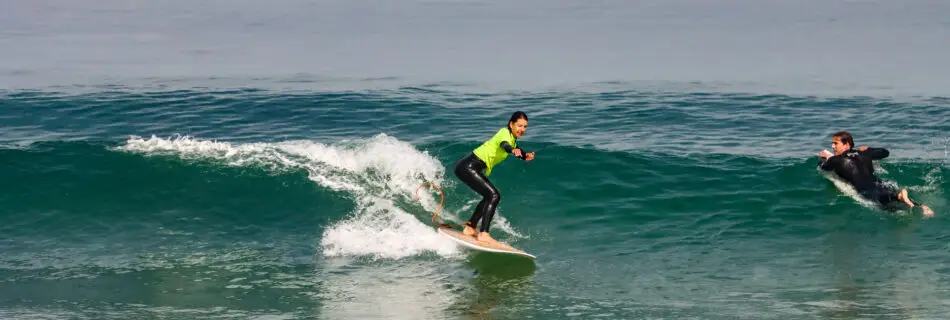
495	196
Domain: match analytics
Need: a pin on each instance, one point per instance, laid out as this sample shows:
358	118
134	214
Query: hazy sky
861	45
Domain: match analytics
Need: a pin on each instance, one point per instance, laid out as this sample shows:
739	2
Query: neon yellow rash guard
491	151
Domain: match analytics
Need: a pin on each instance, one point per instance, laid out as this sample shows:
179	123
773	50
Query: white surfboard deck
471	243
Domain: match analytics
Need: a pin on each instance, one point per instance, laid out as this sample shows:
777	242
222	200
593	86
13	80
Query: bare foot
484	237
927	211
468	231
903	197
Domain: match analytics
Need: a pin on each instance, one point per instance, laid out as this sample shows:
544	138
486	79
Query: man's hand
862	148
529	156
825	154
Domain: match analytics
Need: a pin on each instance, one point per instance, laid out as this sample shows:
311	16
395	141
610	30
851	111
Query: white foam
378	171
382	230
932	180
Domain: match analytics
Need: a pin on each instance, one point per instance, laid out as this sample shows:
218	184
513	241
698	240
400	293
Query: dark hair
518	115
845	137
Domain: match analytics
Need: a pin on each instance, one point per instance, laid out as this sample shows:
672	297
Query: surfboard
471	243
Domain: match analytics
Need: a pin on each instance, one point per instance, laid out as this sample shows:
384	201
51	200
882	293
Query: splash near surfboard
467	241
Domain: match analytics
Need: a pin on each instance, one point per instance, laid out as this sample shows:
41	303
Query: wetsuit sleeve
508	148
827	163
524	153
876	153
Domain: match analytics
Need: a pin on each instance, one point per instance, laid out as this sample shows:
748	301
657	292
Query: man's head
841	142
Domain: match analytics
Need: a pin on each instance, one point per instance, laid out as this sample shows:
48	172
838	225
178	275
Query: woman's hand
516	152
529	156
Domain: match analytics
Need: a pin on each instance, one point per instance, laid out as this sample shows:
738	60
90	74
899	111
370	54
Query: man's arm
827	163
874	153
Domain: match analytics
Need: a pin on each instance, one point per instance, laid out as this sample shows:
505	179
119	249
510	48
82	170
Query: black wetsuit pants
469	170
884	194
880	192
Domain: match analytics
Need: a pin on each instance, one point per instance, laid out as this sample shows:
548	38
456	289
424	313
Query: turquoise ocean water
162	161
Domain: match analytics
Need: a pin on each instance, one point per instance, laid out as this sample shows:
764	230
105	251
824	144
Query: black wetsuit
469	170
857	168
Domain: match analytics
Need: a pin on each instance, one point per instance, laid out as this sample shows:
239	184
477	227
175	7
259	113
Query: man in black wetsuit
855	165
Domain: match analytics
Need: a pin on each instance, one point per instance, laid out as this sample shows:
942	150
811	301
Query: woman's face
518	127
